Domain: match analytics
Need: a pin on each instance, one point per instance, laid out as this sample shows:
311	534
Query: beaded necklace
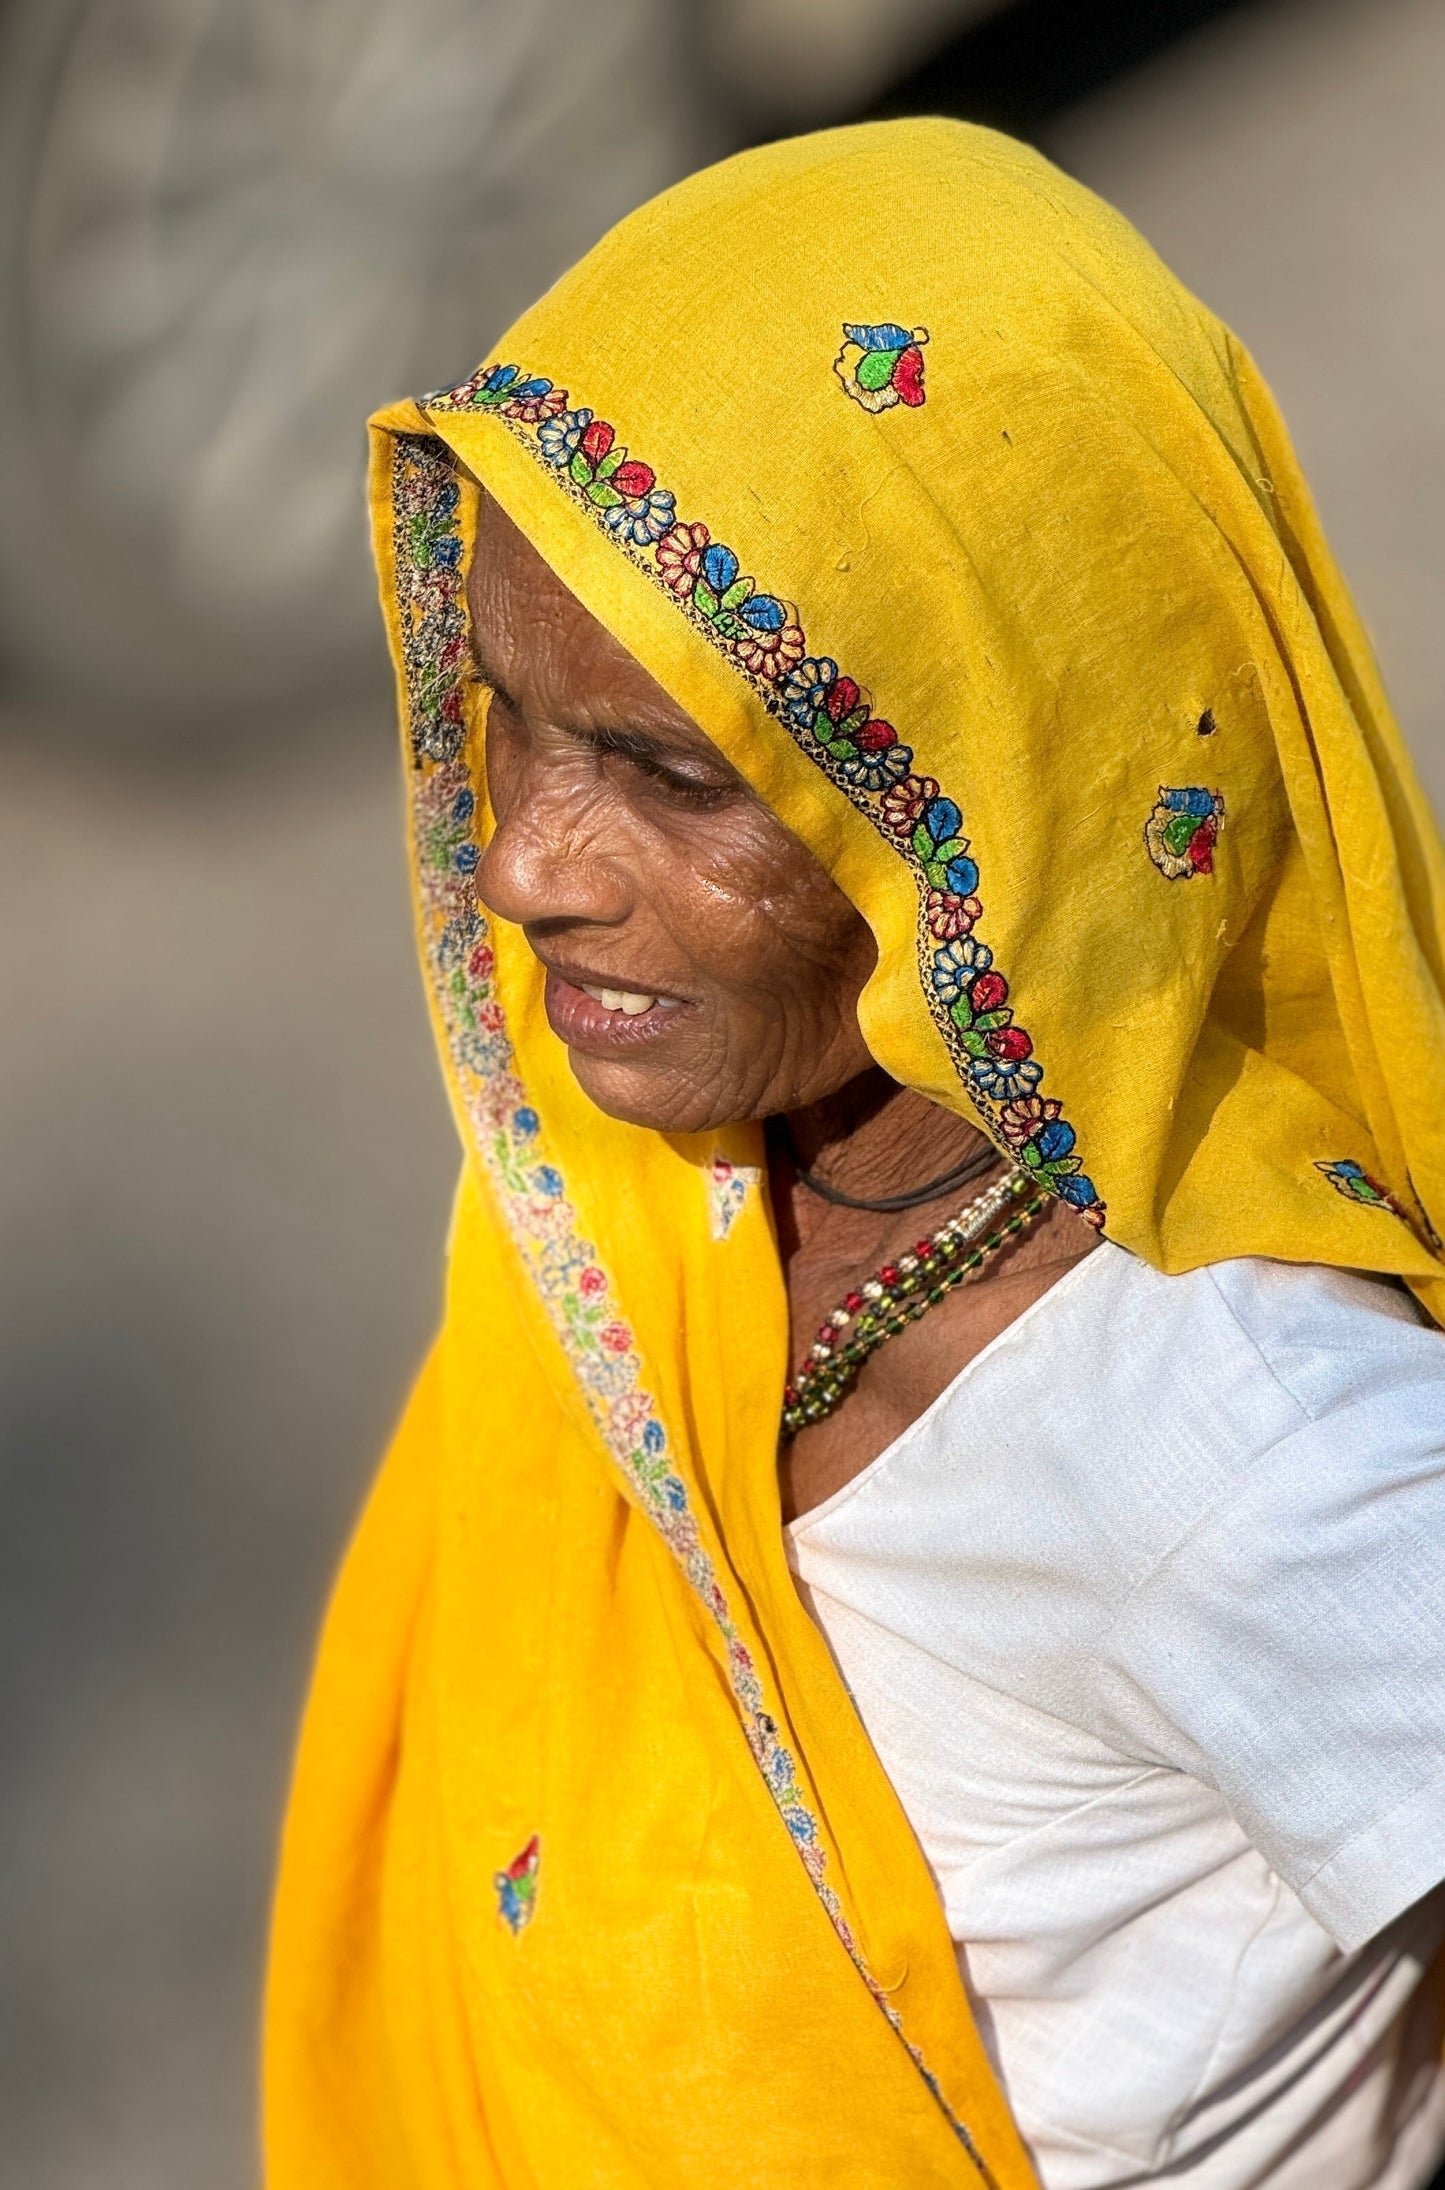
901	1292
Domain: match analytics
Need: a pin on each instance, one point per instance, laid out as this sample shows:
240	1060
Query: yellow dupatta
977	545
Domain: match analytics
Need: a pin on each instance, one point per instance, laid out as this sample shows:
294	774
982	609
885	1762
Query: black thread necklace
886	1205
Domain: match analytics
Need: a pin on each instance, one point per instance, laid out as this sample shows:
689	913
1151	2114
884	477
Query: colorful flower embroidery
881	366
1355	1183
507	1130
728	1185
517	1886
1182	832
827	713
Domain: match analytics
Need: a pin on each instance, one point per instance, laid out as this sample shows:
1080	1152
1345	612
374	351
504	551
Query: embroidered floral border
509	1132
830	717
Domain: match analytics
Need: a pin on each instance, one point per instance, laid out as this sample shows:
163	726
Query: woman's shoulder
1318	1338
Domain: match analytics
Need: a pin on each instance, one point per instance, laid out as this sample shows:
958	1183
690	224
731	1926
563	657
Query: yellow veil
978	547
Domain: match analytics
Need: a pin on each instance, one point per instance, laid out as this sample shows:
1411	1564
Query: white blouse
1145	1618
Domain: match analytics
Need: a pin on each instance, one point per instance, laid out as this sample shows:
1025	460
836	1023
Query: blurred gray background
226	231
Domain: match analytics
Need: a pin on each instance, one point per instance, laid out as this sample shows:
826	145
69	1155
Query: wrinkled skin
633	857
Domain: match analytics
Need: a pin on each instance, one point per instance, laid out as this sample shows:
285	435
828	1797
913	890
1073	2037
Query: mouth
603	1018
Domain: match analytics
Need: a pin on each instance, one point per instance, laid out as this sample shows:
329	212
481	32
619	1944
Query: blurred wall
225	1162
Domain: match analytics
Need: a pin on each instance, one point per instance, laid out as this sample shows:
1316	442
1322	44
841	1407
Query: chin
636	1096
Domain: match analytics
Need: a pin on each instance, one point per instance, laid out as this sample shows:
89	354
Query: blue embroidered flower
1006	1078
652	1436
942	820
456	939
675	1492
799	1824
955	966
1079	1191
805	688
559	438
525	1122
548	1181
781	1769
464	805
1055	1140
447	551
876	771
643	518
719	567
465	858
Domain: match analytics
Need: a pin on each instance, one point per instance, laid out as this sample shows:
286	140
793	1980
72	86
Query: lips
605	1021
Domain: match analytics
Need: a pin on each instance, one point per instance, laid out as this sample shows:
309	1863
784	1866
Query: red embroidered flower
481	962
950	917
1009	1042
615	1338
876	736
634	480
903	803
592	1283
988	992
597	440
1021	1119
842	698
679	553
489	1018
770	654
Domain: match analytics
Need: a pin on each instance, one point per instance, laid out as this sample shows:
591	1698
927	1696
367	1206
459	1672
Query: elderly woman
900	1638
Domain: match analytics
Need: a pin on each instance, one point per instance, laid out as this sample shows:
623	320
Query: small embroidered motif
881	366
727	1190
517	1887
1355	1183
1182	832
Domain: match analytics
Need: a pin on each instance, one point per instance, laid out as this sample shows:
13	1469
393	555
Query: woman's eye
690	790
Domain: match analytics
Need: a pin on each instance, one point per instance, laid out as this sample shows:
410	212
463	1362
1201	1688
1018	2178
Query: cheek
760	919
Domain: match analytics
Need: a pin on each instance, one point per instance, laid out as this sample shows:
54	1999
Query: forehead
549	654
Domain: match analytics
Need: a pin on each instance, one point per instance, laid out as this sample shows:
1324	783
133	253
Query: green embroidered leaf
856	720
922	842
1029	1154
1178	832
961	1014
988	1020
937	873
728	626
604	496
704	598
975	1044
581	470
739	591
876	369
610	463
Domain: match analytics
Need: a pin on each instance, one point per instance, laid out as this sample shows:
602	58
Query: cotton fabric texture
590	1872
1158	1685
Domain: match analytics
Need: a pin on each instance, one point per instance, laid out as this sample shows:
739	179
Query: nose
547	860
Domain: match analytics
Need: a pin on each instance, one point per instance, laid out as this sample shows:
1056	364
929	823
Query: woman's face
701	966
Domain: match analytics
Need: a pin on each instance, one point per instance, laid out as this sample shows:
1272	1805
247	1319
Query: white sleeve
1289	1648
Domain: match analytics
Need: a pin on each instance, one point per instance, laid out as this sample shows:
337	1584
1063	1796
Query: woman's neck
871	1140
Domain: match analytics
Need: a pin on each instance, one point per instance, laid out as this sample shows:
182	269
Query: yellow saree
977	546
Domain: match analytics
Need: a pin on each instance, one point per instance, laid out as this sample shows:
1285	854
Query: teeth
628	1001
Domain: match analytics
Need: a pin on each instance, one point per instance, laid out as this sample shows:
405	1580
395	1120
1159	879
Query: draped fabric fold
977	545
